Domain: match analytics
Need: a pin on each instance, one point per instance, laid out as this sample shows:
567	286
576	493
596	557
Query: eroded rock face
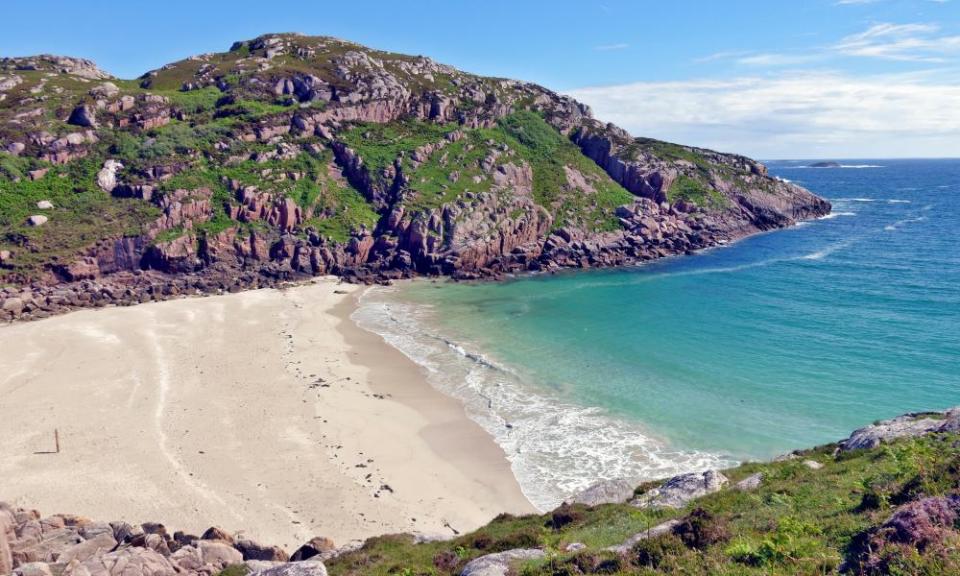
915	424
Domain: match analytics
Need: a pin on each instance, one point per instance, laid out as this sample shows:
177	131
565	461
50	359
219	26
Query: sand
267	413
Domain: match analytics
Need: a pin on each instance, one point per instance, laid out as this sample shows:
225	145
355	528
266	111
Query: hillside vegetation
291	156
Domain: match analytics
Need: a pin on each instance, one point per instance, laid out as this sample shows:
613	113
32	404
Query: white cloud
608	47
813	114
910	42
779	59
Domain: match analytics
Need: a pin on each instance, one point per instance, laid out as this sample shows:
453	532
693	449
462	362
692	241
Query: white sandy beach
266	413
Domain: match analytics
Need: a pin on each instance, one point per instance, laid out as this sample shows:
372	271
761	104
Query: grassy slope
522	137
800	521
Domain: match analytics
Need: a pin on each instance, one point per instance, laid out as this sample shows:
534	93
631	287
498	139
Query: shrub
655	552
702	529
564	516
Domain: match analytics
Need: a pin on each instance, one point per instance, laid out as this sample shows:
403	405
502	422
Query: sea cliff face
292	156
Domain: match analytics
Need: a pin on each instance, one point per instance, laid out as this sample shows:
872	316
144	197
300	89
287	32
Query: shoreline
266	412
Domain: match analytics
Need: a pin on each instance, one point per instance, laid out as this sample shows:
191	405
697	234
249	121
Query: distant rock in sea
829	164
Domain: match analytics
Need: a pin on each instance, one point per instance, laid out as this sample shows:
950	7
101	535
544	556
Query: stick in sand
56	439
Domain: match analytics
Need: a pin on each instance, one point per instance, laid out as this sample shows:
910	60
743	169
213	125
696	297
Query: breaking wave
554	446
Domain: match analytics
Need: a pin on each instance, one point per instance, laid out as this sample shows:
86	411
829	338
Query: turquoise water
781	341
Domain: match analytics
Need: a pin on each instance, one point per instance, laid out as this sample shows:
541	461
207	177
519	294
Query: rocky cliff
290	156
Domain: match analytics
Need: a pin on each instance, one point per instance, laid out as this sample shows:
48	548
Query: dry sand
267	413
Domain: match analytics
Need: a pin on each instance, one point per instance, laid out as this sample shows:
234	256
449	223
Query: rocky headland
288	157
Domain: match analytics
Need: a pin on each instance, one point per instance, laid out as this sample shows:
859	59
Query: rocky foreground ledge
903	517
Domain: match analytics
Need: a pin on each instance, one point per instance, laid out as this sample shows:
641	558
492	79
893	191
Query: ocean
781	341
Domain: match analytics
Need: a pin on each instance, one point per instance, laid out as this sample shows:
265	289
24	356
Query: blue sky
815	78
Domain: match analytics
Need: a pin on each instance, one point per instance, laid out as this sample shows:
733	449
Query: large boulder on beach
914	424
315	547
131	561
677	491
604	492
254	551
499	564
218	554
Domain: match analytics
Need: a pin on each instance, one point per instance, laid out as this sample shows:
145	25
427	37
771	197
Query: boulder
14	305
15	148
751	482
215	533
677	491
123	532
499	564
87	549
5	255
37	220
32	569
37	174
914	424
604	492
187	559
218	554
253	551
124	562
316	546
45	205
308	568
105	90
107	176
812	464
48	549
83	115
653	532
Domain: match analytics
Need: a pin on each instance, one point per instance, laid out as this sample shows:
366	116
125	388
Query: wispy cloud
779	59
908	42
814	114
609	47
914	42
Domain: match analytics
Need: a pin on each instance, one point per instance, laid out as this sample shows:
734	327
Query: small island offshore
300	306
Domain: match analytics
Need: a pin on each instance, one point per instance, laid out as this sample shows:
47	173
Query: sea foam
555	447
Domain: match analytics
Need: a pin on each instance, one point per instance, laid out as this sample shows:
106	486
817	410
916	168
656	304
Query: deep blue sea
780	341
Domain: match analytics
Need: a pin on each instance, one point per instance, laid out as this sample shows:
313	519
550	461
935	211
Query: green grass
524	133
344	211
380	144
548	152
799	521
82	215
692	189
